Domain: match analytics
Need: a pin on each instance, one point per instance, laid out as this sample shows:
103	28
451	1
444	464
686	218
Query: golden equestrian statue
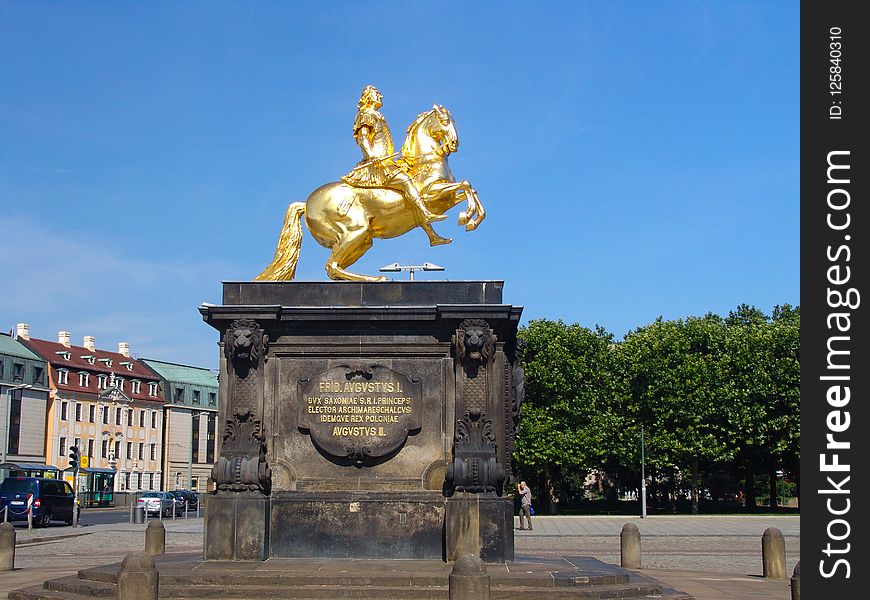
384	196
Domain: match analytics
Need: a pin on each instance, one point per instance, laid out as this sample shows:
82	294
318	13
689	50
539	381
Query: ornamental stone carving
242	465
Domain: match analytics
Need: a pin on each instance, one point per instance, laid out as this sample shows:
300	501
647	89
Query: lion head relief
475	342
244	342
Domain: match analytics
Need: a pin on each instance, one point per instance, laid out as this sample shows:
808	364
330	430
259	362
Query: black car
49	499
191	499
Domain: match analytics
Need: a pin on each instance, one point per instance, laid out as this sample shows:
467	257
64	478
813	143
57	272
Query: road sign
83	462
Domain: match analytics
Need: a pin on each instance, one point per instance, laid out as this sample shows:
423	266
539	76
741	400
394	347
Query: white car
157	502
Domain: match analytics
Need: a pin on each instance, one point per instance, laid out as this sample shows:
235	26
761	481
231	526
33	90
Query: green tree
567	418
676	384
764	419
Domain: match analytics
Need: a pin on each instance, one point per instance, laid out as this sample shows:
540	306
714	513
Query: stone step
38	592
307	592
81	587
627	590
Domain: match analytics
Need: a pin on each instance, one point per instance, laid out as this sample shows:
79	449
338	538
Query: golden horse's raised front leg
474	213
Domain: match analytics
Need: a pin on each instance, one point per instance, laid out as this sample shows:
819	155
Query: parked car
50	499
191	499
179	499
156	503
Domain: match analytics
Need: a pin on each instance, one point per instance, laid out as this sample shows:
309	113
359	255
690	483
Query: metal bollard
796	582
6	514
30	518
629	546
469	579
174	510
773	554
138	578
155	538
7	547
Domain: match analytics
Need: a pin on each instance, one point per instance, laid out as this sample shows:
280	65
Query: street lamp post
8	421
642	476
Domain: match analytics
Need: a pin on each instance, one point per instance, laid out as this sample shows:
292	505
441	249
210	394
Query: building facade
190	422
108	405
24	394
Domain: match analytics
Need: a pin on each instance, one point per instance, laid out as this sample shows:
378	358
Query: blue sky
635	159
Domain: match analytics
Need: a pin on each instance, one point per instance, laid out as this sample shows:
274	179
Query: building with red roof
108	405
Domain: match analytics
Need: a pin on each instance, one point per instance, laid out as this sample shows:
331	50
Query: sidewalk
712	558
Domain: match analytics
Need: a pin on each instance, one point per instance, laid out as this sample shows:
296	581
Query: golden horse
346	219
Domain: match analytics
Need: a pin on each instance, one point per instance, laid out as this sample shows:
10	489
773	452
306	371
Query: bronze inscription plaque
360	411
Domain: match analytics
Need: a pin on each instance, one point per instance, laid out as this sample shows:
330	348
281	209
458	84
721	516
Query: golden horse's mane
406	146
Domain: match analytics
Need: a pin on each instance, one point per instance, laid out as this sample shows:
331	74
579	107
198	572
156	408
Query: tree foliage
711	394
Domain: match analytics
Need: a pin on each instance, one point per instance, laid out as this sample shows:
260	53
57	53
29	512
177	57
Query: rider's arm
363	138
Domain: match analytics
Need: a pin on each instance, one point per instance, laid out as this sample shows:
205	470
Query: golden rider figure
379	168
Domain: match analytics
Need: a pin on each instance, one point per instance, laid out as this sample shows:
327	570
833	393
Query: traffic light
74	457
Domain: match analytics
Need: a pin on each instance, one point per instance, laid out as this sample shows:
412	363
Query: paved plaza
713	558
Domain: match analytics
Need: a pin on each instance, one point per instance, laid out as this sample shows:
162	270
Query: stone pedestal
236	527
479	524
359	411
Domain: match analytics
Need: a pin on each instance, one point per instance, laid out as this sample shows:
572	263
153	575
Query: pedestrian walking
525	504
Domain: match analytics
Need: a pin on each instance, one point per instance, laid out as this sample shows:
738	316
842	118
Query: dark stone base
357	525
547	576
479	522
236	527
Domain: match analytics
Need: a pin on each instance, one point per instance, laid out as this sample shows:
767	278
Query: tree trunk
696	467
771	478
548	490
750	486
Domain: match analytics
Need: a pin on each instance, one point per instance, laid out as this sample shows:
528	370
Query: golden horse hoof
439	241
463	218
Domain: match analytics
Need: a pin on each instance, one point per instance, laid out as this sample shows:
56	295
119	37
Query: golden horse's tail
283	266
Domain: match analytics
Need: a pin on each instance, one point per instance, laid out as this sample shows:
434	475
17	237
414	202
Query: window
17	371
153	418
141	451
78	411
150	481
62	377
61	448
104	449
130	416
135	386
153	451
92	413
64	415
91	448
209	439
118	416
119	383
152	389
102	382
117	453
126	481
196	396
194	438
142	418
129	449
179	395
38	372
84	379
14	426
212	399
105	410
